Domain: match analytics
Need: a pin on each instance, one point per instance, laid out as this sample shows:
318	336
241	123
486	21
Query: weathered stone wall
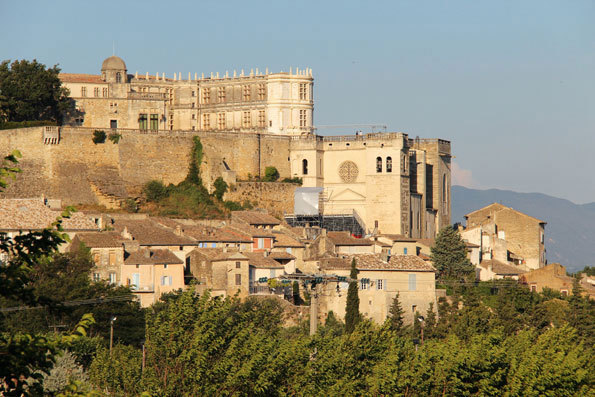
277	198
76	169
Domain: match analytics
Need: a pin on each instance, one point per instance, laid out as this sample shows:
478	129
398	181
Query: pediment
347	195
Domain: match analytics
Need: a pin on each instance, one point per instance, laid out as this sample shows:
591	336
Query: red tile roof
144	256
255	218
33	214
80	78
344	238
258	260
501	267
284	240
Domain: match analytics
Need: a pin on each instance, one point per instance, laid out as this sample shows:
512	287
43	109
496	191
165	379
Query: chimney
178	231
126	234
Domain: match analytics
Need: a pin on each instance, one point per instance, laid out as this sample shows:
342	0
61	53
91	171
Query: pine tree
396	314
430	321
352	315
449	256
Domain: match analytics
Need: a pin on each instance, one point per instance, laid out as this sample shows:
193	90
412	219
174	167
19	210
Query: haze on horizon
511	84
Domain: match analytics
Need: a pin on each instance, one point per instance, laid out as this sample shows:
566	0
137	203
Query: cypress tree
449	256
396	314
352	315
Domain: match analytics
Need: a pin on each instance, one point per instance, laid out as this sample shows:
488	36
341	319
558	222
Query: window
246	121
238	265
165	266
302	118
260	243
412	282
193	117
83	91
261	119
261	92
413	308
112	258
380	284
221	94
192	105
112	278
541	237
405	251
238	279
113	124
246	93
213	245
96	258
444	189
136	280
96	277
389	164
221	121
206	95
206	121
105	91
564	292
118	77
534	288
305	167
303	91
142	121
154	122
96	92
193	93
363	284
378	164
166	280
288	250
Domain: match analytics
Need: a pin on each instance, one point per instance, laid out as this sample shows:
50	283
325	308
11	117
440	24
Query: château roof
80	78
113	63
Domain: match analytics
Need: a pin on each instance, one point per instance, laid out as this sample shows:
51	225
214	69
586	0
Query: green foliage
131	205
449	256
270	174
98	136
352	314
115	137
220	188
29	91
120	373
155	190
196	156
232	205
297	180
64	371
9	125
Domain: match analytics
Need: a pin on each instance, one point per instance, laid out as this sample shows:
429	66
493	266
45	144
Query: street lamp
111	333
422	320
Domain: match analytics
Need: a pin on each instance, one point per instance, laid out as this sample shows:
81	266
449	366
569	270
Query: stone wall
277	198
80	172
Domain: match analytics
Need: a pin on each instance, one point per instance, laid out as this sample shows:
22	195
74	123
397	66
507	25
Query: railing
147	95
142	288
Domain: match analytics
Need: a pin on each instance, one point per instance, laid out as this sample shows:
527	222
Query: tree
98	136
29	91
220	188
155	190
352	314
449	256
270	174
396	312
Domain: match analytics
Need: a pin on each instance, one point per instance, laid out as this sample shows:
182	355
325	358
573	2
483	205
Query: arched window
118	77
389	164
305	167
378	164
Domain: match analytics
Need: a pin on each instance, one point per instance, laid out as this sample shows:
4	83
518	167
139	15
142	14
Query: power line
121	298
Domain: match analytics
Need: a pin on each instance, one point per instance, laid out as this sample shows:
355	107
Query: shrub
232	206
99	136
8	125
220	188
270	174
155	190
115	137
297	180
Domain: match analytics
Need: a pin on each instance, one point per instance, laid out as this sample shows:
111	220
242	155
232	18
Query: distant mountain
570	229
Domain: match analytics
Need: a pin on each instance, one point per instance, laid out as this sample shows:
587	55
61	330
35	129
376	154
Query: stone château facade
274	103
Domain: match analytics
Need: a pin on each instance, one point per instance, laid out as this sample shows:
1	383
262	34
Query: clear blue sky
510	83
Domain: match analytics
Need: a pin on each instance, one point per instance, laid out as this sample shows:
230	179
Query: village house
493	269
506	235
379	281
151	273
341	243
552	276
223	273
257	219
261	267
107	253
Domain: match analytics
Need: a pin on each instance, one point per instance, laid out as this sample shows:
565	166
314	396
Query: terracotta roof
501	267
428	242
344	238
217	254
376	262
281	255
257	259
410	262
99	239
80	78
148	232
283	240
144	256
255	218
497	207
398	237
33	214
250	231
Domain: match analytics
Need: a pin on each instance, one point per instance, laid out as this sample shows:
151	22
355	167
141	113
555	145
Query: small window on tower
378	164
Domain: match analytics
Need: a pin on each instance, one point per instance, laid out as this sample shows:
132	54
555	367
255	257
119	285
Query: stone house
285	243
399	244
262	265
493	269
151	273
257	219
107	253
551	276
262	239
336	243
507	235
224	273
379	281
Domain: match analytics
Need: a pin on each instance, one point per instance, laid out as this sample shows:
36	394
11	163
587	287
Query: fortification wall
277	197
75	169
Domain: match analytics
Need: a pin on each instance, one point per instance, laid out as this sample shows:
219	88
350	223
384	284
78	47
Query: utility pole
111	333
314	311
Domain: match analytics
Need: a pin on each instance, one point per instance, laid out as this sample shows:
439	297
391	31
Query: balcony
142	288
154	96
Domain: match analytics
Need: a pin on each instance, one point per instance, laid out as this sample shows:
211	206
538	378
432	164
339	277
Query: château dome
113	63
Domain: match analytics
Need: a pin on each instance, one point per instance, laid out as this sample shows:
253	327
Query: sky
510	83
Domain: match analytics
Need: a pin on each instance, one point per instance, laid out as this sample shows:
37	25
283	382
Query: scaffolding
331	222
